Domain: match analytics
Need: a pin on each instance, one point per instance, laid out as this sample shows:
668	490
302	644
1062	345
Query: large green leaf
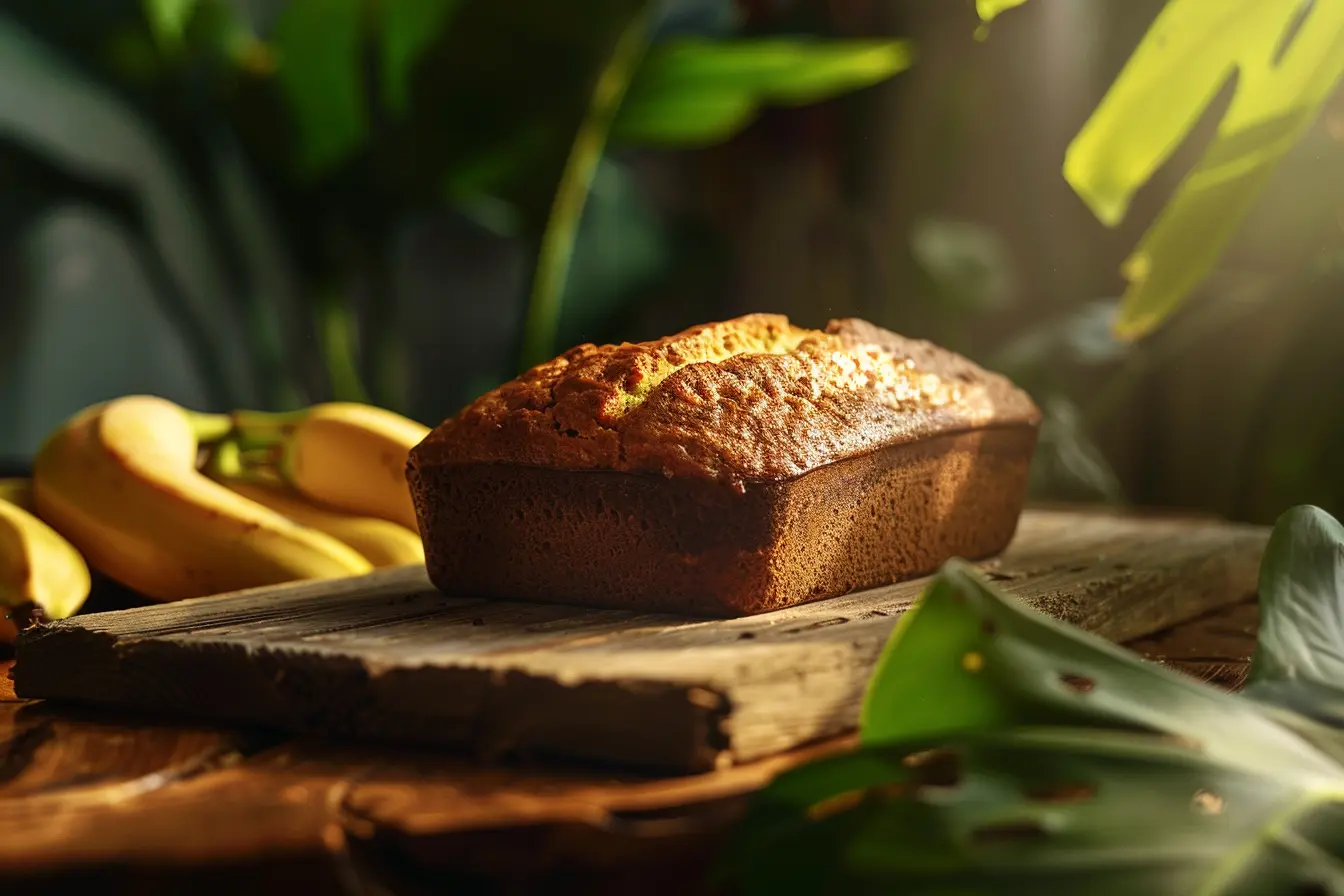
406	30
693	92
1031	811
1302	600
1006	752
990	9
320	47
51	109
967	658
1299	660
1191	51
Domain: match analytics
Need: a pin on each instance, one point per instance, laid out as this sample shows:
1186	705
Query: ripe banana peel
345	455
119	480
37	565
381	542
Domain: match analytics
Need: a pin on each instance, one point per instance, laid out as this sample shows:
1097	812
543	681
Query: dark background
932	203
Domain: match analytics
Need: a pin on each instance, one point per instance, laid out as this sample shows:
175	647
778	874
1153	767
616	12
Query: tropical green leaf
1003	751
1029	811
320	44
406	29
1302	600
557	242
687	119
693	92
168	20
1299	660
51	109
968	659
990	9
1283	75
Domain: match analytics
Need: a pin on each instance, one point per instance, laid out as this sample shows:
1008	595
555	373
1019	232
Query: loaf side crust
646	542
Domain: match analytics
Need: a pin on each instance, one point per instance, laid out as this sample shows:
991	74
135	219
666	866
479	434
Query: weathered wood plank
1216	647
288	817
384	657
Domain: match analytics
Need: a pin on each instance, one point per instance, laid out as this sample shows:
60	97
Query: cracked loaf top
749	399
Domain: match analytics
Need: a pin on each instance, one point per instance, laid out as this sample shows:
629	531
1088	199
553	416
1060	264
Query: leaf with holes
1043	810
967	658
1004	751
1287	57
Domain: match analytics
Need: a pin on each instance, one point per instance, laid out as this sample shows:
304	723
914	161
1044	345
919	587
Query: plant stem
557	241
336	332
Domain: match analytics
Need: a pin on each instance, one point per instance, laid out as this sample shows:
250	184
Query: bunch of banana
37	566
344	455
319	493
120	481
381	542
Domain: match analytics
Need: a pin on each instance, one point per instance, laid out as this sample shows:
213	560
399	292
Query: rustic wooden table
132	803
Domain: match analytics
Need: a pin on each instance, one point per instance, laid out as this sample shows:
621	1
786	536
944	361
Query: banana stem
264	429
210	427
225	461
229	459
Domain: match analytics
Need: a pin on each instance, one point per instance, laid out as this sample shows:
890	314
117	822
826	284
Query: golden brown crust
750	399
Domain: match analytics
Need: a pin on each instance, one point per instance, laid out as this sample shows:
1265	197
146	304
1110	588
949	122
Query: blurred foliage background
270	202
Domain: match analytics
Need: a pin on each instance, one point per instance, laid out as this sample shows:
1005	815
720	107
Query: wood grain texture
1215	648
307	817
383	657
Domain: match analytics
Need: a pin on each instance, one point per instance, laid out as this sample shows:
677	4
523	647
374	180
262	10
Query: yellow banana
18	491
381	542
37	565
344	455
119	480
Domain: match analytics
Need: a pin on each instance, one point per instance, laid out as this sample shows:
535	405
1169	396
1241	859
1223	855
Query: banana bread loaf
731	469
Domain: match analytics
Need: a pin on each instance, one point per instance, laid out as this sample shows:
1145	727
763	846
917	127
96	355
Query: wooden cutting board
384	657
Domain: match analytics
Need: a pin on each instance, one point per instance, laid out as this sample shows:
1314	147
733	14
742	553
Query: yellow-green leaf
988	9
1187	56
694	92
